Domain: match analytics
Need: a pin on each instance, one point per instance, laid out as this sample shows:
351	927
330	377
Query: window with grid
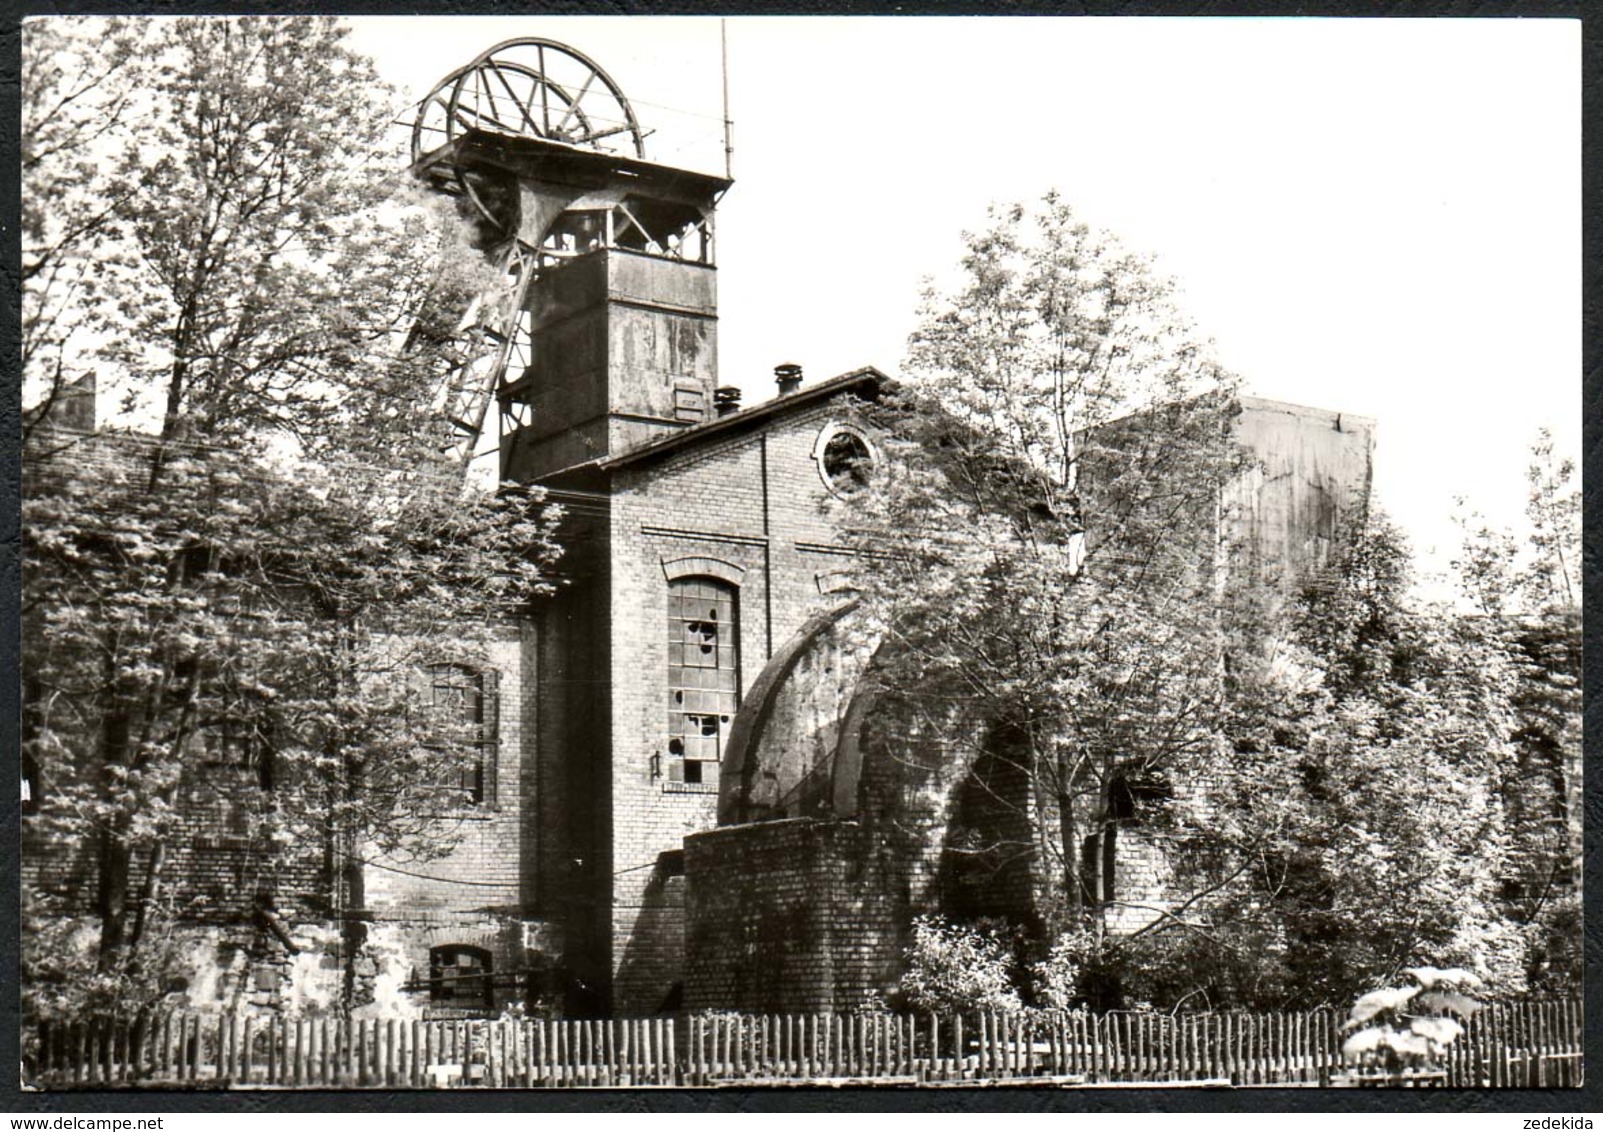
703	676
466	698
236	746
460	976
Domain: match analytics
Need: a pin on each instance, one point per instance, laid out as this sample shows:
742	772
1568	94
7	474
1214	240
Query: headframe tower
600	332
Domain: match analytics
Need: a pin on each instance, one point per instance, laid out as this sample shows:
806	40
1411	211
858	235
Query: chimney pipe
726	399
789	376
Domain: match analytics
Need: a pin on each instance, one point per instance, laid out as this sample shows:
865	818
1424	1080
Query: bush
1411	1027
959	967
1553	958
1058	977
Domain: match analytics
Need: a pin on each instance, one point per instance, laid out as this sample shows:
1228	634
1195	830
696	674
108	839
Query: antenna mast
729	142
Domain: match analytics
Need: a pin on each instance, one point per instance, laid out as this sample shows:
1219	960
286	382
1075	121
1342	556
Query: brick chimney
789	376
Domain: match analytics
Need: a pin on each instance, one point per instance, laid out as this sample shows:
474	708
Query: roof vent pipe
726	399
789	376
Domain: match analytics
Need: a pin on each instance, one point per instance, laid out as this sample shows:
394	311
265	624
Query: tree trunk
1068	836
115	861
353	905
353	927
182	730
149	891
172	421
115	855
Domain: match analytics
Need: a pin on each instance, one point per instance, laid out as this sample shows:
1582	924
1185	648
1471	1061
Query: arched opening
460	976
703	677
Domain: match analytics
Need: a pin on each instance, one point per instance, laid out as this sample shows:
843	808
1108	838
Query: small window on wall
232	745
845	459
689	403
703	677
466	698
460	976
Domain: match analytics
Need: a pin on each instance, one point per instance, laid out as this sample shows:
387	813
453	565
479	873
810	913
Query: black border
1587	1100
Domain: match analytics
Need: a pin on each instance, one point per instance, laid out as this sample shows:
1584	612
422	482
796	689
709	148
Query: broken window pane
703	674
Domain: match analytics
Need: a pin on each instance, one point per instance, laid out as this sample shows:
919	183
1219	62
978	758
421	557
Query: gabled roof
558	163
866	378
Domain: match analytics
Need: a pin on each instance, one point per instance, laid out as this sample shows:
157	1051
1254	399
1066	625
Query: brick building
677	765
695	545
848	809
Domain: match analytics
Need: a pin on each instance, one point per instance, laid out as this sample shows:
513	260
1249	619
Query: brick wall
569	824
215	874
753	505
989	862
813	913
481	892
213	871
793	915
486	866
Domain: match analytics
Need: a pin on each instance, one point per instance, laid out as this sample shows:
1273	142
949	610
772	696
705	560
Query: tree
240	639
76	104
1495	576
1038	549
258	255
1357	803
1532	601
1553	508
259	581
1045	565
1399	782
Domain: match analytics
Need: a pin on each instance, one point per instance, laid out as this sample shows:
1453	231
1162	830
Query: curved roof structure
793	747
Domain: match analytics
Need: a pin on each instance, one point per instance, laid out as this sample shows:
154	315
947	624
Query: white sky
1376	216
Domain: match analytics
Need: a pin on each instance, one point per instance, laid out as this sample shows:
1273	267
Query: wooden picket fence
1529	1044
228	1050
1506	1045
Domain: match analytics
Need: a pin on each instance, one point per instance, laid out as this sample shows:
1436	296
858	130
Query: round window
844	460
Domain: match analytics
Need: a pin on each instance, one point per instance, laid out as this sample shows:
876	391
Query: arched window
1127	794
467	698
703	676
459	975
